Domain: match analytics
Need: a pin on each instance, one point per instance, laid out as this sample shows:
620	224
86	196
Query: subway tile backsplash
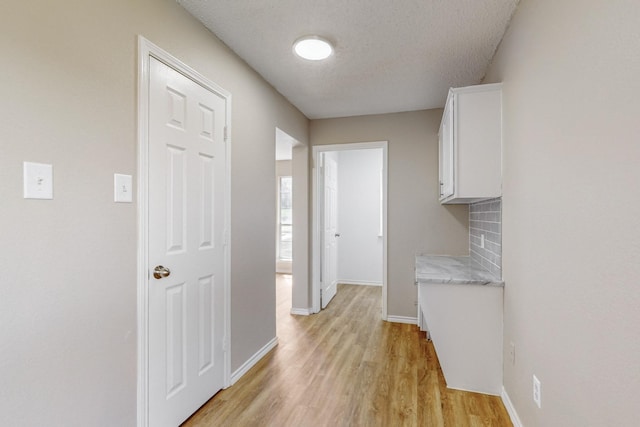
485	218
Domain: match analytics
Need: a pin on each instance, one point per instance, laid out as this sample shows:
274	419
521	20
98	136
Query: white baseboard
359	282
402	319
301	311
510	409
253	360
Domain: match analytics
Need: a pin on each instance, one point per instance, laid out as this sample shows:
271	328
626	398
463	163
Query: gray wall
416	222
571	213
300	292
283	167
68	265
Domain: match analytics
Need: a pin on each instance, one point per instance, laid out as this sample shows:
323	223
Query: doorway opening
284	223
349	239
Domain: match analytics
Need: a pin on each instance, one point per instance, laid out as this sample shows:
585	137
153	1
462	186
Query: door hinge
224	343
226	135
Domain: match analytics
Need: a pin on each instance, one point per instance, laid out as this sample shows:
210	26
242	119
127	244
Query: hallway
346	367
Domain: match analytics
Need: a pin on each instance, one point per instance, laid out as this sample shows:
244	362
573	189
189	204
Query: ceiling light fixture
313	48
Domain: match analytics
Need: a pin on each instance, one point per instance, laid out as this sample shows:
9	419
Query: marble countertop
460	270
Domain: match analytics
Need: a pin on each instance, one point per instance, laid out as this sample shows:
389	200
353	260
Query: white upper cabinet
470	144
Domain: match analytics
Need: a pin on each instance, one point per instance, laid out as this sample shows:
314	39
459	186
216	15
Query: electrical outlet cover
122	188
512	353
537	392
38	181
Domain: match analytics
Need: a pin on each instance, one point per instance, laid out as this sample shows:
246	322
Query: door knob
159	272
337	235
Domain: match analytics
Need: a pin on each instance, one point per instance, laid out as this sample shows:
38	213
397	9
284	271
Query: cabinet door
446	152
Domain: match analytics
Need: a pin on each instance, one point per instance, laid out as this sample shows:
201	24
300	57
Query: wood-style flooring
347	367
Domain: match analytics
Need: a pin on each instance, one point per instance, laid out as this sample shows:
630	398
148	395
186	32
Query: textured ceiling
390	56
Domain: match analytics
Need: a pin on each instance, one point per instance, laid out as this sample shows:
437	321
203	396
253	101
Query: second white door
330	230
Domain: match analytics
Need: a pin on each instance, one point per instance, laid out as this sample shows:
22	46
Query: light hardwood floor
347	367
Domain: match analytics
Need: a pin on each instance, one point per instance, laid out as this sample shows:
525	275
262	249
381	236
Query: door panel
207	225
446	148
186	225
176	340
176	200
330	253
206	324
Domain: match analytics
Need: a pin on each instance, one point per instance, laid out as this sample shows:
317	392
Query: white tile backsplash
486	218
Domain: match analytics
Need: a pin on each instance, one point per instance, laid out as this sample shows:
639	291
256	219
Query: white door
186	237
330	230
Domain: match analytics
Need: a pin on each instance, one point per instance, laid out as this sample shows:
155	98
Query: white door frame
146	50
316	245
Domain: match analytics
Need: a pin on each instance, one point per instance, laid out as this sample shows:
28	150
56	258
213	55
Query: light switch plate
38	181
122	188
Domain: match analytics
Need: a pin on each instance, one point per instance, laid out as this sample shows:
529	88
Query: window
285	218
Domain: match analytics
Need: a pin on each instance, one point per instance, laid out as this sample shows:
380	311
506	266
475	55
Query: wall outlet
512	353
482	240
537	390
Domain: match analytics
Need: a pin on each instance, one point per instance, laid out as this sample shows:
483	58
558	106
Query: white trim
402	319
146	50
253	360
359	283
510	409
282	268
143	246
300	311
315	223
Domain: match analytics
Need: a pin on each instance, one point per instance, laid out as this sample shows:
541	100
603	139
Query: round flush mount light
313	48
